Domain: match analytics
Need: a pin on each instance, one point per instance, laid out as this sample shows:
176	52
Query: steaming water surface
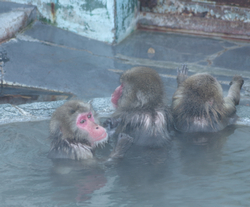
216	174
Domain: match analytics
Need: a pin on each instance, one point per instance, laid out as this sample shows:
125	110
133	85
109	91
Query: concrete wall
125	18
105	20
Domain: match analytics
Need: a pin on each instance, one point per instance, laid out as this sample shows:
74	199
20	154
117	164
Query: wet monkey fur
75	131
141	109
198	104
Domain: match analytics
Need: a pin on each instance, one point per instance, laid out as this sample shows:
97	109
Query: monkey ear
72	111
55	132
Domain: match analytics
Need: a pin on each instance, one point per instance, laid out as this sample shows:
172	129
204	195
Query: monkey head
204	89
75	131
140	87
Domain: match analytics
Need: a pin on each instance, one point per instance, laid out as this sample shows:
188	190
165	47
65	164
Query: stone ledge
43	110
15	20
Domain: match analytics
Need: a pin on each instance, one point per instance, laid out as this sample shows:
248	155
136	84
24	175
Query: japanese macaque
75	131
198	104
141	111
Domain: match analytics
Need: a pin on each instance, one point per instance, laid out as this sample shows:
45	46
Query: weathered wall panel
105	20
126	18
213	17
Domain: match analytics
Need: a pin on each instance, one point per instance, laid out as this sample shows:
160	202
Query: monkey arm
234	90
124	142
233	98
182	74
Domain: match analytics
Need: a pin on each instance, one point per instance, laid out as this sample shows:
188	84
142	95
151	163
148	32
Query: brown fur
198	103
142	110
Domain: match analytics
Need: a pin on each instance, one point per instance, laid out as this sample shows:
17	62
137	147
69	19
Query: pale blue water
217	174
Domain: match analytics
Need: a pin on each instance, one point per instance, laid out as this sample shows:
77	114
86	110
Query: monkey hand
182	74
237	79
111	123
124	142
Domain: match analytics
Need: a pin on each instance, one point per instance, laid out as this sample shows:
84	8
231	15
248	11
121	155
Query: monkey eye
82	121
89	116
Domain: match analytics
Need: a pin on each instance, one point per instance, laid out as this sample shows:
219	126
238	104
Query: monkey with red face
75	133
141	109
198	104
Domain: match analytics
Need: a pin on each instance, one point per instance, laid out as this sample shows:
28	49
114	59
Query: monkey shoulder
146	131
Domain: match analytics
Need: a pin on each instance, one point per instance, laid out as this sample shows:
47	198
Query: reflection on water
208	170
201	152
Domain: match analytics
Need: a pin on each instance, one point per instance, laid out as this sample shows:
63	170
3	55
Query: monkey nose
97	127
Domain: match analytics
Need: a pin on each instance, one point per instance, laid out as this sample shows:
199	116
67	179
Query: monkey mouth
101	140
